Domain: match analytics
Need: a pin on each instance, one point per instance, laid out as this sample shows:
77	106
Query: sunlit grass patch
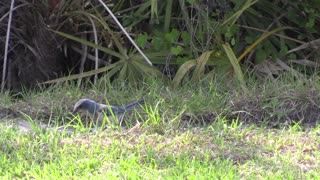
191	132
216	151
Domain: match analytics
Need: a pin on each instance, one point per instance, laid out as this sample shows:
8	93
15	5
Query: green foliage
197	67
236	67
173	43
142	40
258	41
173	33
263	16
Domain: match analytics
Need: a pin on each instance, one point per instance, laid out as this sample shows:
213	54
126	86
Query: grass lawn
209	131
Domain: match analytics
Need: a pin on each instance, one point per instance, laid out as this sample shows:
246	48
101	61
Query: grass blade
236	66
85	74
201	62
182	71
88	43
264	36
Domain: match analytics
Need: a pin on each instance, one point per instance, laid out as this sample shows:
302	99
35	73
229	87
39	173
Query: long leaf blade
236	66
88	43
184	68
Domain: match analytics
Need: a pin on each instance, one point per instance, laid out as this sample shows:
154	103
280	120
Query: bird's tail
133	104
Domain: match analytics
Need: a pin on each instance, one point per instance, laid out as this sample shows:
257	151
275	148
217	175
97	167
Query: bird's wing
118	110
107	110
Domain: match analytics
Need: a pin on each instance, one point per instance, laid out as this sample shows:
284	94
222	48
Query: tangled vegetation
231	89
184	40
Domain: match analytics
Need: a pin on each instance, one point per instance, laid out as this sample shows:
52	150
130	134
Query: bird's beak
75	110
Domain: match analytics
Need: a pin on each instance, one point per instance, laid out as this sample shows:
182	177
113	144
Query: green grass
189	133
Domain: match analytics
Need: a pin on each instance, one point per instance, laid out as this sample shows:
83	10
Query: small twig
11	10
89	56
138	124
95	49
125	32
84	53
313	44
289	69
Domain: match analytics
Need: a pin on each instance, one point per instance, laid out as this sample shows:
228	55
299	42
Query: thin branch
125	32
6	14
5	60
95	49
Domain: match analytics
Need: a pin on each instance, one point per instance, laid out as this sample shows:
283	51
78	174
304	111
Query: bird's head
86	105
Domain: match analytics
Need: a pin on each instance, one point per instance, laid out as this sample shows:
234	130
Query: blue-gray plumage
93	107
